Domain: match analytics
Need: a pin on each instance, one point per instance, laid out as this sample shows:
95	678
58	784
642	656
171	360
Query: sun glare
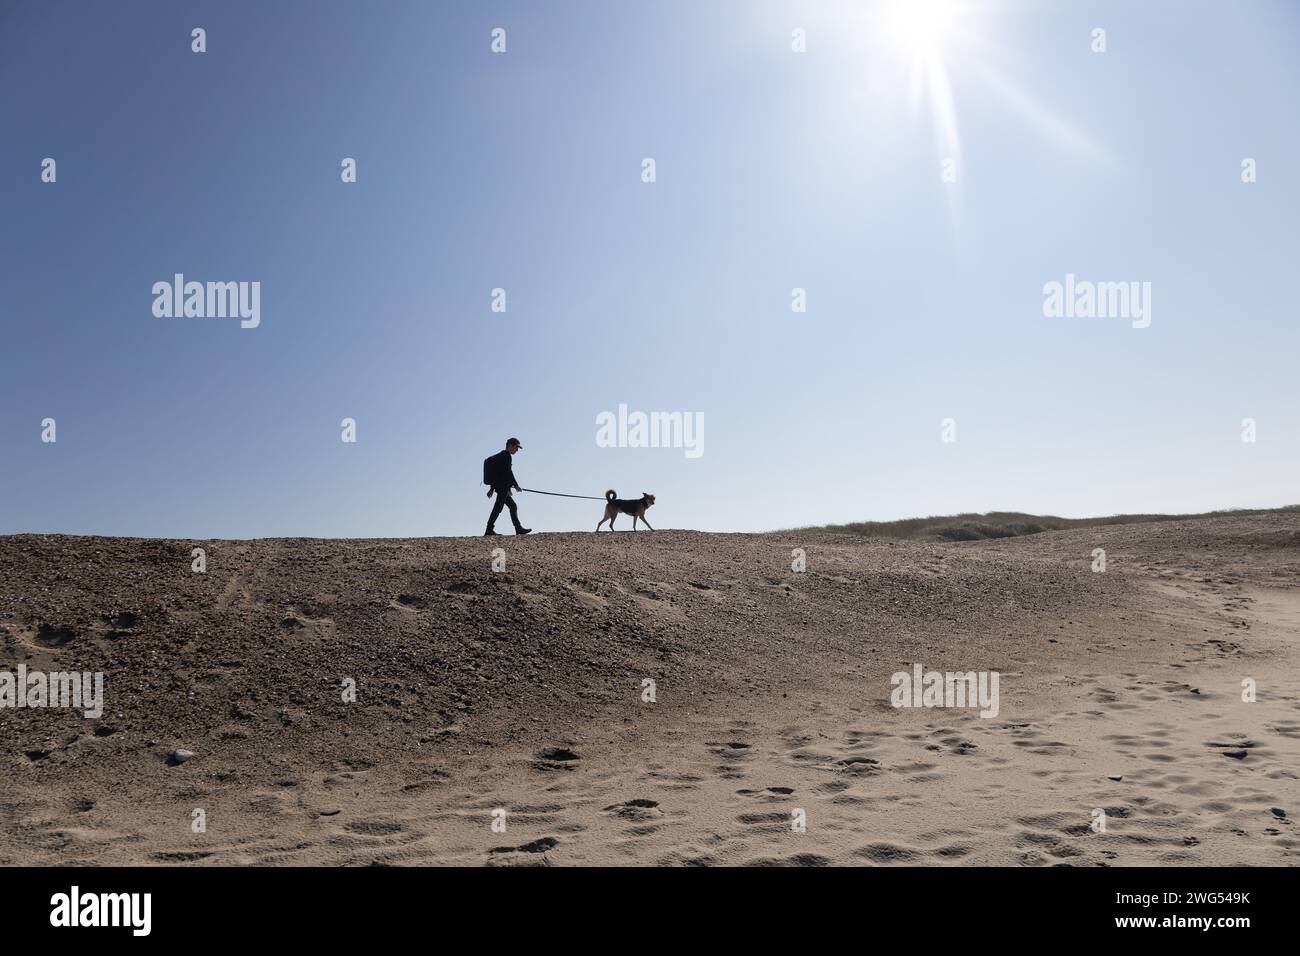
921	36
929	47
919	27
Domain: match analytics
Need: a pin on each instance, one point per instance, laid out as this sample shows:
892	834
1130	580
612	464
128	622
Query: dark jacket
500	475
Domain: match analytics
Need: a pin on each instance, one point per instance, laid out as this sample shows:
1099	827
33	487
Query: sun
924	38
921	51
920	27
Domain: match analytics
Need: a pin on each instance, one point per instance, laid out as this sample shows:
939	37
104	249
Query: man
498	474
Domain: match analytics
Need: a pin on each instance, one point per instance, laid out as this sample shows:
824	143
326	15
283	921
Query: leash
558	495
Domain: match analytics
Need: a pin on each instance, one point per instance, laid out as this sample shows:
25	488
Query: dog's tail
611	495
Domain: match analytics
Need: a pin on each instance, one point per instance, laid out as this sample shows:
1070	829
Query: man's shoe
489	533
523	530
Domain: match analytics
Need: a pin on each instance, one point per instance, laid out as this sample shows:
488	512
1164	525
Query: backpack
487	470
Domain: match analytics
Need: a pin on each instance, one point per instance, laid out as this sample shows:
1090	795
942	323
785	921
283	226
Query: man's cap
514	441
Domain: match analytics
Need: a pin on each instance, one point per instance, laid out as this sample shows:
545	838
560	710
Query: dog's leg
646	523
599	523
634	522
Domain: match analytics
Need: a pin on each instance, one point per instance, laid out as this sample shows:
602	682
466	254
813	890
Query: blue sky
775	170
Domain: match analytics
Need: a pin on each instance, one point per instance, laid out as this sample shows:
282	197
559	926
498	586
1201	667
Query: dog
629	506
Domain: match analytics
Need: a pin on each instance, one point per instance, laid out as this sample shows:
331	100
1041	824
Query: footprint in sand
556	758
638	809
527	854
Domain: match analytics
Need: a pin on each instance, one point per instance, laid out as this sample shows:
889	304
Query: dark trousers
504	500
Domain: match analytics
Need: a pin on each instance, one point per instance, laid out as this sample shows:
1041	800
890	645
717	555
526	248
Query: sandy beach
669	698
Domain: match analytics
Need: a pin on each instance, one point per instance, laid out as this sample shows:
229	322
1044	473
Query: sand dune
484	697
